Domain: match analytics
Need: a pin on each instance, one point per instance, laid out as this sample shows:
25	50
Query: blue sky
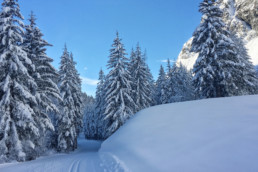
88	28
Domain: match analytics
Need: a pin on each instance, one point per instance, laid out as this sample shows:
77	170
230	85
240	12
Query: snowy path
85	159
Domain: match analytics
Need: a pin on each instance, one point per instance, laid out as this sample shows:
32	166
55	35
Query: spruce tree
77	95
170	82
247	79
119	103
45	75
99	106
19	127
150	79
140	77
219	64
161	87
67	136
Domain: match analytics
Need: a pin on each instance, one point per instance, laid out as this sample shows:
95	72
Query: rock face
241	16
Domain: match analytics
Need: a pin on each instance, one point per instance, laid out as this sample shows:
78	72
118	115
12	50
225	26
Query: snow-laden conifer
161	88
19	127
247	78
77	95
141	89
45	75
219	64
100	107
67	136
151	80
119	103
170	83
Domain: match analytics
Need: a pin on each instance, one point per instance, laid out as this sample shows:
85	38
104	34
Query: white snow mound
199	136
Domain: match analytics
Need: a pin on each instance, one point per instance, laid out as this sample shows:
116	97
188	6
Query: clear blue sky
89	26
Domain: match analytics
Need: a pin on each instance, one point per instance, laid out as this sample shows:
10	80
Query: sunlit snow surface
216	135
85	159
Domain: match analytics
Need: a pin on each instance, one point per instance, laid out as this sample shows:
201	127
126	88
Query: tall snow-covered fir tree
141	87
77	96
119	102
45	75
161	88
67	136
100	107
151	80
170	83
247	80
218	66
19	127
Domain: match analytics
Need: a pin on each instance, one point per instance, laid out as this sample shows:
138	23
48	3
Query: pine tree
19	130
67	136
45	75
161	86
168	67
119	103
77	95
170	82
140	77
99	107
150	80
247	78
218	65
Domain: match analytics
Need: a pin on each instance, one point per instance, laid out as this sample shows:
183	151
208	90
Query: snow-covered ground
216	135
85	159
200	136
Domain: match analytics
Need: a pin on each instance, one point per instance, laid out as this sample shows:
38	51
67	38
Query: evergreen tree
77	96
170	82
161	87
45	75
218	65
119	103
99	107
150	80
247	78
182	84
140	77
19	127
168	68
67	136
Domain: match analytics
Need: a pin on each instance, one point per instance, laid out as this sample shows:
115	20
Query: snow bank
209	135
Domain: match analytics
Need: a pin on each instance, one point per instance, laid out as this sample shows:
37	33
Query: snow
199	136
253	50
209	135
86	158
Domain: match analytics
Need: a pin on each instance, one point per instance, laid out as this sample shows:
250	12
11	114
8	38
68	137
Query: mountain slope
241	16
208	135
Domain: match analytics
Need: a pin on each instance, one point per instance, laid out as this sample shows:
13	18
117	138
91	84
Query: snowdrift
200	136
